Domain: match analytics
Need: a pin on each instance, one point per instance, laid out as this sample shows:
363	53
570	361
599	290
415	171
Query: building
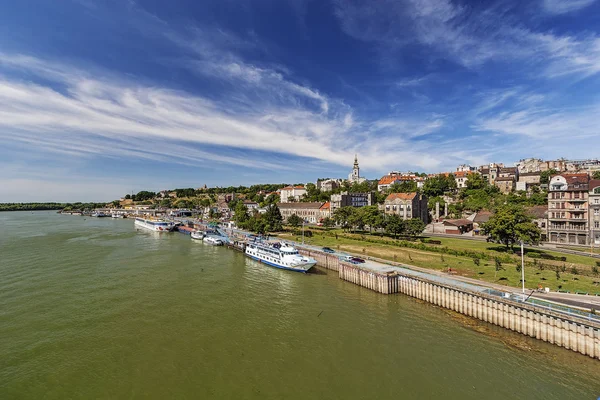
568	209
594	211
466	168
540	218
251	205
309	212
461	177
528	180
292	193
407	206
531	165
457	226
346	199
325	211
354	176
398	177
328	185
506	179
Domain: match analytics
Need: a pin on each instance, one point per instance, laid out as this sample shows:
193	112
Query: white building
292	193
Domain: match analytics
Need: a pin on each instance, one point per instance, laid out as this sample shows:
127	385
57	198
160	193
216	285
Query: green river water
92	309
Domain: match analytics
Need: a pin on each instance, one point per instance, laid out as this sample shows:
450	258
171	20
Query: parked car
357	260
328	250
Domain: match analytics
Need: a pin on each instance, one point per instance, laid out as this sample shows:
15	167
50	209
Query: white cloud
93	116
471	36
565	6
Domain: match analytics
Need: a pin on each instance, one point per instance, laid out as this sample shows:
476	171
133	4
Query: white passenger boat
156	225
279	255
197	235
99	214
213	241
117	215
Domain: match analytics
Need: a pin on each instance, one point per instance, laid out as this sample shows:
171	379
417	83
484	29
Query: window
597	211
597	224
596	201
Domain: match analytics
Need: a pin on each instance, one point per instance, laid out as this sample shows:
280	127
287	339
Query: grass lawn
465	266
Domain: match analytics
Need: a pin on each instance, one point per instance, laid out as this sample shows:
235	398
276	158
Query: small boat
117	215
197	235
99	214
213	241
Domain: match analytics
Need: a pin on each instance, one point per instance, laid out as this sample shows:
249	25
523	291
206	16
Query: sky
99	98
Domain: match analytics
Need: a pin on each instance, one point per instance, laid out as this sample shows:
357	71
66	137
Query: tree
342	216
394	225
475	181
144	195
241	216
414	227
273	218
127	196
328	223
545	176
439	185
294	221
596	175
403	187
357	218
372	217
510	224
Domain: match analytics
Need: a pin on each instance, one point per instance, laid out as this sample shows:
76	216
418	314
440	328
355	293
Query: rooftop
401	196
294	206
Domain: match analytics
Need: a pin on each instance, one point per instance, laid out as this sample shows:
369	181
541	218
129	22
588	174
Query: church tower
355	170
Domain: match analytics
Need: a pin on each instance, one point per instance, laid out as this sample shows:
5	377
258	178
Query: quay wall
572	333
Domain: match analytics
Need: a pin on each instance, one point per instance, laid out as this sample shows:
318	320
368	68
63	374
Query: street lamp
523	269
302	230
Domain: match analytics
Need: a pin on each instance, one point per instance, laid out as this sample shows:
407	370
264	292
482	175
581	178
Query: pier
579	332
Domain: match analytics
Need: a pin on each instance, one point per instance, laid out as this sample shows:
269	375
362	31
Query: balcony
576	200
567	229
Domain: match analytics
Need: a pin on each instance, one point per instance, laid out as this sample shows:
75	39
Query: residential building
407	206
461	177
328	185
594	211
398	177
527	180
490	172
354	176
292	193
568	208
309	212
346	199
531	165
325	211
251	205
582	165
540	218
506	179
466	168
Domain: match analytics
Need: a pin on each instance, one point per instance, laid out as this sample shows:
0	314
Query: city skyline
101	99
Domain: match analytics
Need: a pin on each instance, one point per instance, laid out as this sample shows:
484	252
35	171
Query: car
328	250
357	260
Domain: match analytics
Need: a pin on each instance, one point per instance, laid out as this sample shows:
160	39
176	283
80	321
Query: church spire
355	160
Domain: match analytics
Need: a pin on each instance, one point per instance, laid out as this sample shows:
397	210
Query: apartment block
568	196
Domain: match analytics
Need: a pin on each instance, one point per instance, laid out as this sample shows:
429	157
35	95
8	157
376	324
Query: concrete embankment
569	331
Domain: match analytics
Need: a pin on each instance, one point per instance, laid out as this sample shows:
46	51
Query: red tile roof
401	196
326	206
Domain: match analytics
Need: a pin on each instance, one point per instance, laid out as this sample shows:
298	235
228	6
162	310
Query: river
90	308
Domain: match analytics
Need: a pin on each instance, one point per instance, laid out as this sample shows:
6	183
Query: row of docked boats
274	254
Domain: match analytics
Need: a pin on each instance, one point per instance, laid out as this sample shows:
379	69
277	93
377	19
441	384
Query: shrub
595	270
476	261
574	270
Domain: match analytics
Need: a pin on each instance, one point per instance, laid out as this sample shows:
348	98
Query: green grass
465	266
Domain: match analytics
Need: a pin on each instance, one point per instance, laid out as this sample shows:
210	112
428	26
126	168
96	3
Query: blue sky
100	98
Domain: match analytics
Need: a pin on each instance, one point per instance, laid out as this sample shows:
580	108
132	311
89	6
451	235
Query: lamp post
523	269
302	230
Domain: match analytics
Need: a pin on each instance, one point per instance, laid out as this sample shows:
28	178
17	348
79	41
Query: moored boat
279	255
156	225
214	241
197	235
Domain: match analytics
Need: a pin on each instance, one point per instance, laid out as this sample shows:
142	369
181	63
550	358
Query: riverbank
576	274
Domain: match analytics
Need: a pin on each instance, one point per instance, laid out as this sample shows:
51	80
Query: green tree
394	225
357	218
144	195
372	217
596	175
273	218
328	223
342	216
510	224
414	227
294	221
545	176
439	185
241	216
403	187
475	181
